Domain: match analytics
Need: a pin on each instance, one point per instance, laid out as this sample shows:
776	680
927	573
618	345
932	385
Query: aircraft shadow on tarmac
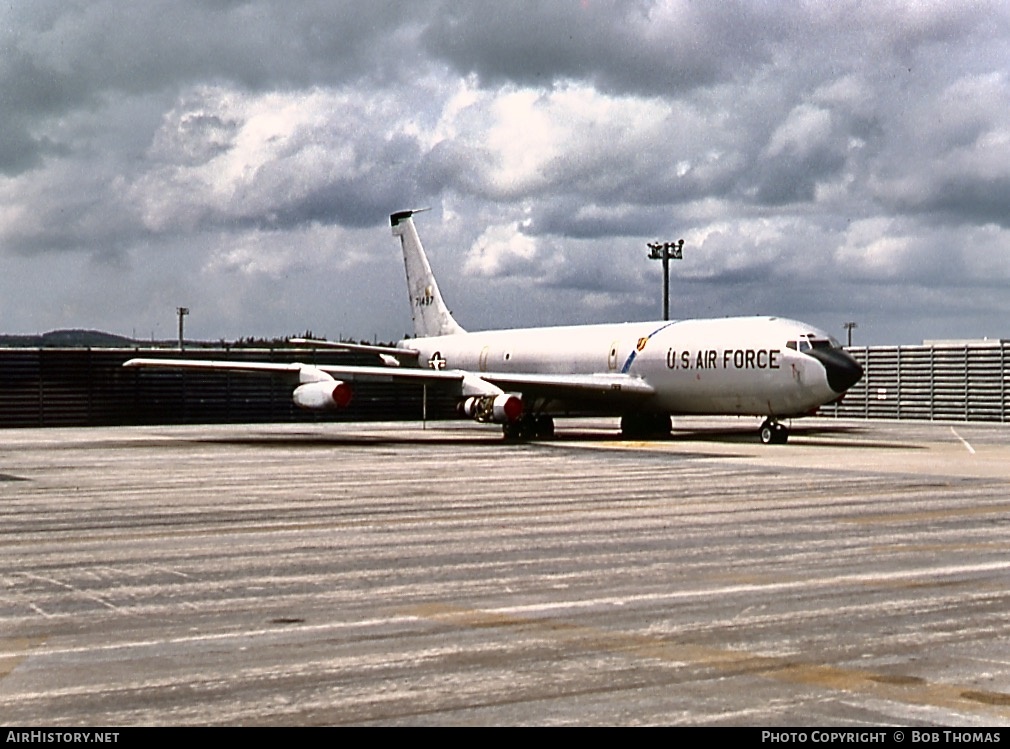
810	436
819	435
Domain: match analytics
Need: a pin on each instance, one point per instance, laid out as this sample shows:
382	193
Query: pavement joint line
726	661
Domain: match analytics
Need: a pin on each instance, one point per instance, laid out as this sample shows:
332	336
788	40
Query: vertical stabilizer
431	316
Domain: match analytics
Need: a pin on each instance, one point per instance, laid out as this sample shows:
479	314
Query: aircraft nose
843	371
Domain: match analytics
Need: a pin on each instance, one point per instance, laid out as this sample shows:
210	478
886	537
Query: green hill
67	339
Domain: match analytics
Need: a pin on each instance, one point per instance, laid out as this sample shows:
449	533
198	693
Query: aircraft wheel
645	426
529	427
774	433
633	426
544	426
663	425
513	431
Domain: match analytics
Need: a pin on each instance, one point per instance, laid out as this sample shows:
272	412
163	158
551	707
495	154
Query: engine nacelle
497	409
322	396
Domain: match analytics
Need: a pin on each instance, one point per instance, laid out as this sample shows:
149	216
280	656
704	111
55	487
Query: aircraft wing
293	368
567	385
345	372
553	385
611	385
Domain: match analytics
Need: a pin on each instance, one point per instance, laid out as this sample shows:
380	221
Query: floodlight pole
848	328
182	312
666	251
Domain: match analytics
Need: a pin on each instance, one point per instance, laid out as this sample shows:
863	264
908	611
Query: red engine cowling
322	396
496	409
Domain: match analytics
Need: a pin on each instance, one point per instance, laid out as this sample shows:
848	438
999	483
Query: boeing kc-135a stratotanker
644	372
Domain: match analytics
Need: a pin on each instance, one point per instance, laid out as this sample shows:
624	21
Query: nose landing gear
774	433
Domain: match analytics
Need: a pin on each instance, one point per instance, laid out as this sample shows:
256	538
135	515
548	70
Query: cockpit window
809	341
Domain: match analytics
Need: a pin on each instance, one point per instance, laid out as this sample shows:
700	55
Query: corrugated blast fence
942	381
88	387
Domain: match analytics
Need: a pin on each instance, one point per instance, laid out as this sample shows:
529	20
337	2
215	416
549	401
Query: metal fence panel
963	381
88	387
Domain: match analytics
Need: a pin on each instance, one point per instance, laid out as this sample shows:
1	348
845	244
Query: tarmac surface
385	574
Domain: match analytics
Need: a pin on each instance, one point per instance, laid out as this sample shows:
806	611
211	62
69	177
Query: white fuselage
736	365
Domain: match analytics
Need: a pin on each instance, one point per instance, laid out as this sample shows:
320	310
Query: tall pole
182	311
848	327
666	251
666	286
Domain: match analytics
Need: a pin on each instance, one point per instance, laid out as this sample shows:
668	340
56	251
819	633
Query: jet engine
497	409
321	396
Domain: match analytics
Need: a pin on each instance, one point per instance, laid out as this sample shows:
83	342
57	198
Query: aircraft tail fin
431	316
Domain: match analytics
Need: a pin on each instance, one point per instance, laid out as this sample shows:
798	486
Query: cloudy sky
827	161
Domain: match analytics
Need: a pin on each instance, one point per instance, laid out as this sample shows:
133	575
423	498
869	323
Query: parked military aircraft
645	371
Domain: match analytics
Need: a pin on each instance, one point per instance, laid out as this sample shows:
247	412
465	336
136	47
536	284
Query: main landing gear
774	433
529	426
646	426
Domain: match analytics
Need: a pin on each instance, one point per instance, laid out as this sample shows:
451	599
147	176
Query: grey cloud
824	159
619	46
19	151
577	218
137	47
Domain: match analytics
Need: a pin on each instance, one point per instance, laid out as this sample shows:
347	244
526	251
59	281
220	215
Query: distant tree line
99	339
